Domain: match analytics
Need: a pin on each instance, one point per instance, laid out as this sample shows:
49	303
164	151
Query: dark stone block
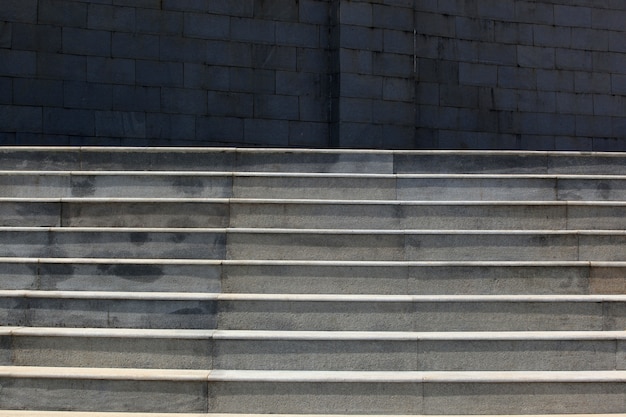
19	11
69	121
86	42
38	92
133	98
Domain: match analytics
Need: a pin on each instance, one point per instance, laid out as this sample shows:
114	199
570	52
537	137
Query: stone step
33	413
309	160
421	245
108	309
29	413
313	244
170	243
420	313
236	391
321	351
302	277
296	185
324	214
330	312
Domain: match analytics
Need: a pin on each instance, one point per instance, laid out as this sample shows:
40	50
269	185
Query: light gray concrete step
294	185
321	351
313	244
107	347
28	413
342	214
224	391
423	277
197	159
299	277
111	274
420	313
421	245
108	309
113	242
310	160
31	413
312	312
325	214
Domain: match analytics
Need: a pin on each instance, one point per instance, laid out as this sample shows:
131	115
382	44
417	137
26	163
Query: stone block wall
164	72
522	74
475	74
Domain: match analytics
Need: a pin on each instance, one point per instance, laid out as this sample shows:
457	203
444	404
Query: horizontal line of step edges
313	376
309	335
277	231
322	298
262	262
307	151
260	150
306	175
294	201
28	413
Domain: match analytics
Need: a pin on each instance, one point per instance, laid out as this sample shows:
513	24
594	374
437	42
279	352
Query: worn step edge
298	201
243	262
308	335
263	230
486	377
27	413
231	149
247	174
124	295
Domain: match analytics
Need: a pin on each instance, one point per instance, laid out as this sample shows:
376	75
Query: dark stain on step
136	273
83	186
604	190
139	238
189	311
190	186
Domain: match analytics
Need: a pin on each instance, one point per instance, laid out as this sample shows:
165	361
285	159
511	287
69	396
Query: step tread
29	413
382	298
269	262
304	174
220	375
308	335
300	201
265	230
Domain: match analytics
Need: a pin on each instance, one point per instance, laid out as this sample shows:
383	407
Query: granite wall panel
546	74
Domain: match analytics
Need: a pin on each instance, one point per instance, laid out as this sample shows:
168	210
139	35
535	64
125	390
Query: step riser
425	246
336	188
442	217
289	397
315	278
111	277
314	315
415	398
197	160
319	355
100	244
338	216
421	317
135	352
137	314
419	355
423	280
104	395
290	161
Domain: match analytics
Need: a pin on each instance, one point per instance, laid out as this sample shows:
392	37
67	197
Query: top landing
311	160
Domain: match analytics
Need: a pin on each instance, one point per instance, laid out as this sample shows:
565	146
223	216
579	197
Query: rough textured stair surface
245	282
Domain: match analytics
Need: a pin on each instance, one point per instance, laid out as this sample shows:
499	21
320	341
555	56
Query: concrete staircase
238	281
